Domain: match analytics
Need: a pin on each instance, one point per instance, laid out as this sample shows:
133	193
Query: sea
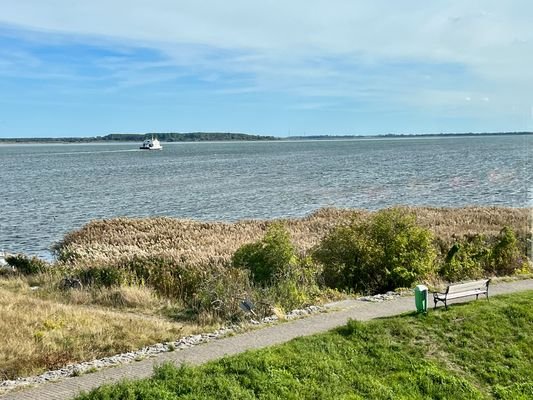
47	190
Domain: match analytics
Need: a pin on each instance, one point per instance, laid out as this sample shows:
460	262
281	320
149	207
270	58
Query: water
49	190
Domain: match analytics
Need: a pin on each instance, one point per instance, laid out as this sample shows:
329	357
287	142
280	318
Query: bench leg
445	304
477	296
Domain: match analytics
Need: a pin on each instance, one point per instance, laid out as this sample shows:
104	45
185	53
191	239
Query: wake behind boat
151	144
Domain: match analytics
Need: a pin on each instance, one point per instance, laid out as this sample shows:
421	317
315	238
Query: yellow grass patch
39	334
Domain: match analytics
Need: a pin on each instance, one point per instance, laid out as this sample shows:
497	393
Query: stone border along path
255	339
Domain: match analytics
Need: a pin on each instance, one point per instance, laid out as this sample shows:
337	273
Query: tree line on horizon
228	136
139	137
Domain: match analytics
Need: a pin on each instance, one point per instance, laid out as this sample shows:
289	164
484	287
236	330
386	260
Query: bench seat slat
461	294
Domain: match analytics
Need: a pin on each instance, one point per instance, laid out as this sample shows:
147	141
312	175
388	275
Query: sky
282	68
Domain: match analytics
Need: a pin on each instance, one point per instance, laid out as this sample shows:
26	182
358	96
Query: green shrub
101	276
219	295
285	296
467	259
294	287
168	277
385	252
283	279
506	257
476	256
344	253
267	258
26	265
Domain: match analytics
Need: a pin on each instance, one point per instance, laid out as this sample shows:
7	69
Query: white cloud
280	44
441	29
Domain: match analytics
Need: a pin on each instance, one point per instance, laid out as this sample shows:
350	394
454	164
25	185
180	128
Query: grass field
480	350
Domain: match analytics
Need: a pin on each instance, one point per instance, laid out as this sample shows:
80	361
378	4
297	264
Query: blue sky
272	67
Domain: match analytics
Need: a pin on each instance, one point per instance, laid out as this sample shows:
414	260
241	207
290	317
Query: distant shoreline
223	136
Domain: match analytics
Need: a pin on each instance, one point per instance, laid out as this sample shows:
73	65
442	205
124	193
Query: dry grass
132	297
14	283
40	334
138	298
212	244
135	298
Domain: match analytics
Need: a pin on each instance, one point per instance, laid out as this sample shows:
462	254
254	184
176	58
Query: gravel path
268	336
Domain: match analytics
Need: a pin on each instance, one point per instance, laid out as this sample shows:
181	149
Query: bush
294	287
168	277
284	279
468	258
385	252
102	276
26	265
475	256
267	258
506	257
220	294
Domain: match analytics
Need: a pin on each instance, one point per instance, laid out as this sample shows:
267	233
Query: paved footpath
268	336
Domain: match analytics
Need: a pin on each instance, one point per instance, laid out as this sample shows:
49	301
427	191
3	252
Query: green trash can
421	298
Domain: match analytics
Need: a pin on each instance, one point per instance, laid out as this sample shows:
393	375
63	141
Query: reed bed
212	244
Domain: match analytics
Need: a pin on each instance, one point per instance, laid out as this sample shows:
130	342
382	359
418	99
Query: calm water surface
48	190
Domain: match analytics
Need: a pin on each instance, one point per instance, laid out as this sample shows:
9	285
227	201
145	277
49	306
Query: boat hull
151	144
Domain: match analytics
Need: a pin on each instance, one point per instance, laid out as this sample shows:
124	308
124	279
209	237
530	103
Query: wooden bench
457	290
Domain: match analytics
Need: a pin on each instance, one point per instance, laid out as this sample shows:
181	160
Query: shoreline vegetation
230	136
114	278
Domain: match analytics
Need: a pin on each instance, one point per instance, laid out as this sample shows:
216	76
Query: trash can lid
421	287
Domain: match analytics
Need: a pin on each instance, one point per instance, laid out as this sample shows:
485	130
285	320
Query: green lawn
478	350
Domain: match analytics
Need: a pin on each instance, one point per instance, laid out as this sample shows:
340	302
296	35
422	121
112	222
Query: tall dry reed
211	244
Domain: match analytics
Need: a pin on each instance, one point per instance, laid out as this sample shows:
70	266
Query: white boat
3	262
151	144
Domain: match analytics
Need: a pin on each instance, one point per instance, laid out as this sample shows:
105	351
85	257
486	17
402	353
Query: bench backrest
465	287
